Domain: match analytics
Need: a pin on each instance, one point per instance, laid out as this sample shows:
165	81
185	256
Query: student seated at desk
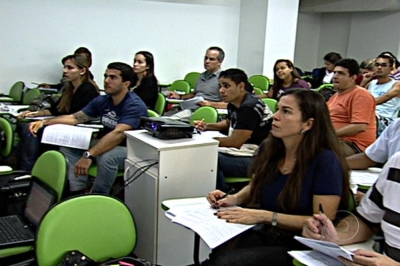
145	83
248	121
83	51
379	209
299	167
120	110
79	90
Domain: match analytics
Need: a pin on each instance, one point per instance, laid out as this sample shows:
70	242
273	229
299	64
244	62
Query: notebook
20	231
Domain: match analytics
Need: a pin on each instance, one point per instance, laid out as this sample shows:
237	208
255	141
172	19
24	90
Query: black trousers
261	245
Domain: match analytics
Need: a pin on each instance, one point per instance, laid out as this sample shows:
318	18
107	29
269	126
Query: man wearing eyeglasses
207	85
386	92
352	109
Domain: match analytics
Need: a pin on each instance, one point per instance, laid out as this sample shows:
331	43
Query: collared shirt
208	86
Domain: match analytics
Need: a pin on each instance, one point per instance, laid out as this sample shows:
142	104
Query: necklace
288	166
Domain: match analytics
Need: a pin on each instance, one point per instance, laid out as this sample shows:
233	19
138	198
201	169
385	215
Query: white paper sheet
68	136
363	177
328	248
191	103
201	219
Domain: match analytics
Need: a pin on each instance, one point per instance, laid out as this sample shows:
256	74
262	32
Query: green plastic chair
152	113
8	144
260	81
325	86
99	226
272	103
208	113
15	94
257	91
160	104
50	168
180	85
30	95
192	78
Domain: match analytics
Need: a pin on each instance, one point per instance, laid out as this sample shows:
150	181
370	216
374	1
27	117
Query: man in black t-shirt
248	122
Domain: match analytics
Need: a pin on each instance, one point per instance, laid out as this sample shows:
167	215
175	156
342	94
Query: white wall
252	36
358	35
307	40
35	35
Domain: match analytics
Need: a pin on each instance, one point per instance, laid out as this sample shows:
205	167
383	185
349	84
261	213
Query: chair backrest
180	85
208	113
257	91
99	226
16	91
260	81
7	137
152	113
51	168
272	103
31	94
192	78
160	104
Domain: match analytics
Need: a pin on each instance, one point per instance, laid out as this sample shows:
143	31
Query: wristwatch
274	221
87	155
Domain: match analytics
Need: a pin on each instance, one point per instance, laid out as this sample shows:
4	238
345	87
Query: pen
228	193
321	211
201	121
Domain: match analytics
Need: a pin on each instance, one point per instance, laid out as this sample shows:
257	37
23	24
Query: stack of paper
201	219
324	253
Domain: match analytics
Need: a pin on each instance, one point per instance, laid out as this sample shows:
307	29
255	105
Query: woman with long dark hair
145	83
285	77
299	167
79	90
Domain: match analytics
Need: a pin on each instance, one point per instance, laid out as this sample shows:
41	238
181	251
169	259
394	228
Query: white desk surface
168	144
14	109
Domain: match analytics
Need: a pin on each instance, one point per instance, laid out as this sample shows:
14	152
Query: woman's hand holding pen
200	124
35	126
218	198
320	228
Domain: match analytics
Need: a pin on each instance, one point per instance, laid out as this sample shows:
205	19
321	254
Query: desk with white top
186	168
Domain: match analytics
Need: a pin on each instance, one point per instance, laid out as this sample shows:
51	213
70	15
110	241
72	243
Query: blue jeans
108	165
28	148
231	166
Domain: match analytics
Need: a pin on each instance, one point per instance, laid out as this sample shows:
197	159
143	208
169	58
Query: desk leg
196	249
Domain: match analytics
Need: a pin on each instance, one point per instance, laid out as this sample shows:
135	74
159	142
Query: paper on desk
363	177
201	219
191	103
328	248
68	136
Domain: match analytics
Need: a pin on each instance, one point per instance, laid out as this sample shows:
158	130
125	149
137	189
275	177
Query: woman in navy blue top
298	167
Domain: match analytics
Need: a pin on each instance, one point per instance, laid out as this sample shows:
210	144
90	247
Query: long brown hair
82	63
278	83
321	136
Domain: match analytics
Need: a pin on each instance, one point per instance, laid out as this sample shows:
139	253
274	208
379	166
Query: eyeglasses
381	65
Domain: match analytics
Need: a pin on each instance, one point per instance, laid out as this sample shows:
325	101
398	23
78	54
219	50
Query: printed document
201	219
324	253
68	136
191	103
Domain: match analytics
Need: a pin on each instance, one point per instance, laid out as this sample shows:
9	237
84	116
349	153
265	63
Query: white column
280	32
267	32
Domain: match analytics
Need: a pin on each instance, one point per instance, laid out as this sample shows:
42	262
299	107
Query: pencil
321	211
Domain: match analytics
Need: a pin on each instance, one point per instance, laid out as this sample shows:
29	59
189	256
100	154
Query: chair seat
92	171
236	179
6	99
4	253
